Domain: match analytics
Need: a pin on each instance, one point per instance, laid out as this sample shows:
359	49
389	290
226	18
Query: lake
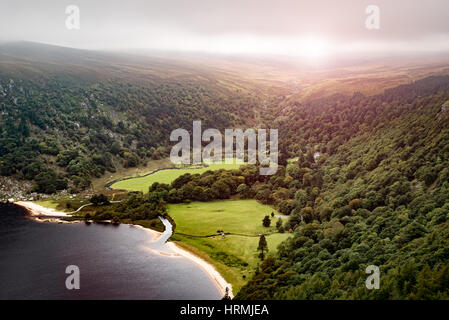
115	262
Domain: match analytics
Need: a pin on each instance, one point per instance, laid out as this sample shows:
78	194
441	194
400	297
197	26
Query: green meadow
235	256
167	176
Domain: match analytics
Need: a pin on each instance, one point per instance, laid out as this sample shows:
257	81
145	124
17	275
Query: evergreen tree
279	224
263	246
226	296
266	221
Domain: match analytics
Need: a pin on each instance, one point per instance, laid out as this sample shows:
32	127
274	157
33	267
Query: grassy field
235	257
166	176
99	183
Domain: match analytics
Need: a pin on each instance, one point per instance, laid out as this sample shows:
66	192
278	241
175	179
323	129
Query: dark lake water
114	262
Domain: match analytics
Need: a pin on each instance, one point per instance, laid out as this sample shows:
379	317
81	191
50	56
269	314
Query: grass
166	176
52	204
61	203
235	257
122	173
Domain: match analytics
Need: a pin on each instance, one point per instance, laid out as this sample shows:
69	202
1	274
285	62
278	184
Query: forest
61	132
378	194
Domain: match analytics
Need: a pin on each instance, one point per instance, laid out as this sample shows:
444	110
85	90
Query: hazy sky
295	27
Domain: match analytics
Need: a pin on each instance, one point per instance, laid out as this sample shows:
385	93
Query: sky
313	29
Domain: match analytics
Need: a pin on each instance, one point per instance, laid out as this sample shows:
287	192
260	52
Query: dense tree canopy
76	129
378	194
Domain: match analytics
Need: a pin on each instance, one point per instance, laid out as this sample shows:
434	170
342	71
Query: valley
362	175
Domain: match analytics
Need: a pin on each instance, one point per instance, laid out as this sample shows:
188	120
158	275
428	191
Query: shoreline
35	211
208	268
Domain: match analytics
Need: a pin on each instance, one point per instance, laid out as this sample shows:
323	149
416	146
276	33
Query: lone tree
263	246
279	224
266	221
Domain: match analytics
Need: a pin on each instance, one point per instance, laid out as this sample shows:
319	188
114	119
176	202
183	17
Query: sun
314	48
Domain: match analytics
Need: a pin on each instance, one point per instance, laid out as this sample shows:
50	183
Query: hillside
68	115
376	193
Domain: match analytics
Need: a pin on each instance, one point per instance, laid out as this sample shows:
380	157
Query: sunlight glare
314	48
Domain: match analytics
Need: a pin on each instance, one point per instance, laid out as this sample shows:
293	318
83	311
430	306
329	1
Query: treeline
135	208
245	183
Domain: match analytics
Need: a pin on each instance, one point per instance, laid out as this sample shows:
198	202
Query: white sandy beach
36	210
155	235
218	279
176	251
